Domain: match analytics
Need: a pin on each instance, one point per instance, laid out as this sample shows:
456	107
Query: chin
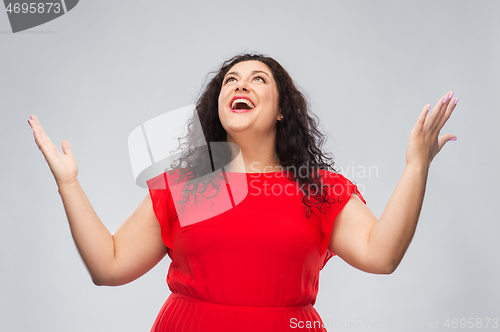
238	127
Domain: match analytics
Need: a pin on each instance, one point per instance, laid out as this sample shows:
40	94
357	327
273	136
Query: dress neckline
255	172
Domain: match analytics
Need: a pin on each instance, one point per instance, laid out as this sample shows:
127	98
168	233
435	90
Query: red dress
254	267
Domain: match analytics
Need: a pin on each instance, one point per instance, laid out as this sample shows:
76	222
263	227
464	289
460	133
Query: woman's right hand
62	165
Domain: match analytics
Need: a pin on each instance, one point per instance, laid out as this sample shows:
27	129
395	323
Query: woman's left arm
392	233
378	245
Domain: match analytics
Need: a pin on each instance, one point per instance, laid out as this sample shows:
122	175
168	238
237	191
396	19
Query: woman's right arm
111	260
93	240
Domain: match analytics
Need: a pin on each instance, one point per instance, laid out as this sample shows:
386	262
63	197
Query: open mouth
242	105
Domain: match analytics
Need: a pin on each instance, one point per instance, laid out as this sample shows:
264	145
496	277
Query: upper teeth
242	100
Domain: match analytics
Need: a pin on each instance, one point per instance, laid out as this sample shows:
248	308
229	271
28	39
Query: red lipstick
241	110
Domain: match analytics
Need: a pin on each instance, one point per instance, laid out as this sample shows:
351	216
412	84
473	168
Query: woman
254	265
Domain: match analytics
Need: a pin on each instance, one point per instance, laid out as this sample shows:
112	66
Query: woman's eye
232	78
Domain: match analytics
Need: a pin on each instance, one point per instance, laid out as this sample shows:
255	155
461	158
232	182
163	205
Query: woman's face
251	80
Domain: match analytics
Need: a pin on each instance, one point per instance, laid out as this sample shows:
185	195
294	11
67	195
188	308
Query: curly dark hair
298	140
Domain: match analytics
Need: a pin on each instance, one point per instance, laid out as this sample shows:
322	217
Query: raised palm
425	142
62	165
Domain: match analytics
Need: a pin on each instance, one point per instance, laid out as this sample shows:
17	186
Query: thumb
444	139
66	147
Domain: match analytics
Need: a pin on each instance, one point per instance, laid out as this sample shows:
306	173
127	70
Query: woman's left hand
424	143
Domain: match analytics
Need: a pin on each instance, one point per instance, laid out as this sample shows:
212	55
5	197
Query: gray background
369	67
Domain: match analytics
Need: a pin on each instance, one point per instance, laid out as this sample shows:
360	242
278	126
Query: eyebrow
254	72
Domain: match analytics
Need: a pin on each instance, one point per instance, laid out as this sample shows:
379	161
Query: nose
241	85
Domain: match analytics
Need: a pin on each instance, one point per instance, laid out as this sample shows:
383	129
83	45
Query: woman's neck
250	158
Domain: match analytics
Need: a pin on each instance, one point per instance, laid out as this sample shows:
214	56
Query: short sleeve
339	191
159	193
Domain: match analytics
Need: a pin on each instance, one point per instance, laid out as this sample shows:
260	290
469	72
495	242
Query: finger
40	133
453	103
43	141
66	147
36	131
442	111
39	126
443	140
422	116
32	124
434	117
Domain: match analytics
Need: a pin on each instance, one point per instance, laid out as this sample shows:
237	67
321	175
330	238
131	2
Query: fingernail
453	139
428	107
451	94
456	100
445	99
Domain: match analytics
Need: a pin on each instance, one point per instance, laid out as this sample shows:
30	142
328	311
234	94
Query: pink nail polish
451	94
456	100
445	99
453	139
